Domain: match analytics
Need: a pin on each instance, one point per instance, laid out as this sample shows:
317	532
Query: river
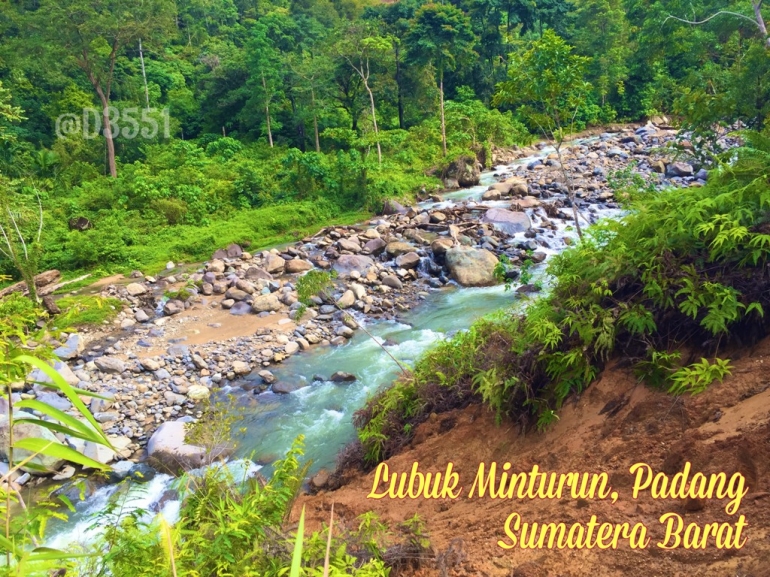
323	411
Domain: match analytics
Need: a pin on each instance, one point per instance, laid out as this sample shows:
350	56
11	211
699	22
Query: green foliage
230	526
24	526
683	269
546	84
86	310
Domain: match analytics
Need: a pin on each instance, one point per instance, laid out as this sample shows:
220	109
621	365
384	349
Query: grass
86	311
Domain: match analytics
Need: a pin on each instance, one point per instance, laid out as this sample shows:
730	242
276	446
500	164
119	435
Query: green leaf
69	392
58	451
296	559
84	431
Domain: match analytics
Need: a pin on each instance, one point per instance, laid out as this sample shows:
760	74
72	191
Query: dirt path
615	424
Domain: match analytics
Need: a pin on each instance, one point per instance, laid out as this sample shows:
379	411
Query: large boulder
297	265
471	266
408	260
464	171
393	207
347	263
507	221
135	289
274	264
27	431
168	451
266	303
397	248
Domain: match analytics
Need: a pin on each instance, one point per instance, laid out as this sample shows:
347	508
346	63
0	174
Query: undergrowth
683	270
86	310
228	526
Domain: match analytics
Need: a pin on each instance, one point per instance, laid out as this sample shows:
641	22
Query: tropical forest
384	288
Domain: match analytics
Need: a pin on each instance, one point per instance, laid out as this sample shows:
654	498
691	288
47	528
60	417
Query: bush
684	269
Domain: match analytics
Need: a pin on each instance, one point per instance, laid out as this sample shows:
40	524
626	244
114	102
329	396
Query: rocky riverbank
221	326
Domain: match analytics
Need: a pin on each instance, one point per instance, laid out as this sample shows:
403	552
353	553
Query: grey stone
471	266
110	365
350	262
71	348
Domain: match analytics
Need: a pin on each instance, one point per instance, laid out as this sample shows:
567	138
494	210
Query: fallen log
41	280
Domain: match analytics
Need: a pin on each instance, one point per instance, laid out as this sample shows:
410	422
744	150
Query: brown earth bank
613	425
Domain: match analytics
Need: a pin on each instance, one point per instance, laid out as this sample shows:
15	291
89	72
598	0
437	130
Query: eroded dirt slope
616	423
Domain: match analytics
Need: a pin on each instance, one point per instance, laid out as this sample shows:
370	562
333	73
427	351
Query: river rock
492	194
241	368
38	376
168	451
347	299
392	207
507	221
27	431
149	364
441	245
349	245
135	289
274	263
236	294
71	348
98	453
408	260
375	246
266	303
297	265
397	248
110	365
347	263
679	169
198	392
392	281
342	377
255	273
174	307
267	376
471	266
284	388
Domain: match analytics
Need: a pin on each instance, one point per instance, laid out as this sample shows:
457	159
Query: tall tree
601	31
94	33
547	83
264	63
358	47
313	72
441	36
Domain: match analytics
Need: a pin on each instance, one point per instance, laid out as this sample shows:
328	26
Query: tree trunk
267	111
108	138
443	123
399	92
315	121
761	21
570	192
374	121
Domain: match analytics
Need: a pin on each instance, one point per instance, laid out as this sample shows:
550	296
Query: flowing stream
323	411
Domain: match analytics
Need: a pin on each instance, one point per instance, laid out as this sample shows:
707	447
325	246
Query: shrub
685	268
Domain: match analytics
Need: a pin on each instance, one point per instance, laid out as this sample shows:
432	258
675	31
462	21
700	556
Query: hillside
616	423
